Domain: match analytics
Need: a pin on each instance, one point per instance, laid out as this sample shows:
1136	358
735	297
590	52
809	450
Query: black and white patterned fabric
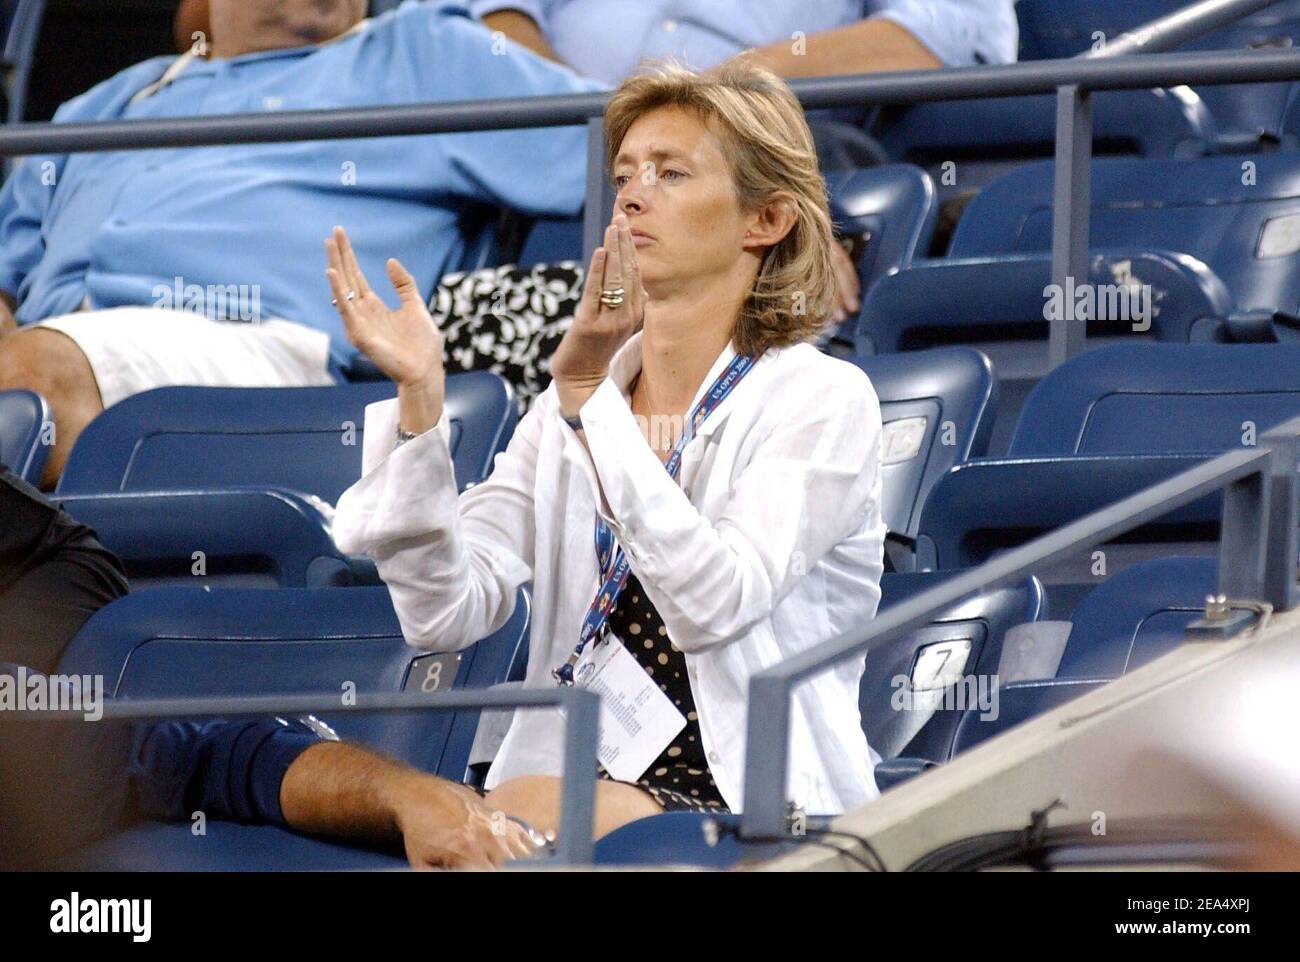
679	779
508	320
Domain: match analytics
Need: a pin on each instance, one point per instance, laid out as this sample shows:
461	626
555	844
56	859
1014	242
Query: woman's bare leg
536	799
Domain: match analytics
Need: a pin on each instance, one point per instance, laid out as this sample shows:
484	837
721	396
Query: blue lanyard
613	565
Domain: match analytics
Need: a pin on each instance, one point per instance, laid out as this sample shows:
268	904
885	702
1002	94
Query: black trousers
62	781
54	575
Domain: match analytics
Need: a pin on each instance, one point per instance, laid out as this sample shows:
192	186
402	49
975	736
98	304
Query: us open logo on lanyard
614	567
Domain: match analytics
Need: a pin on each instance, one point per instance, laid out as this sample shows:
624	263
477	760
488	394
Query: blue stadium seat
984	507
1236	215
303	439
233	472
996	298
1250	115
226	847
552	240
986	138
1051	29
190	642
483	235
972	630
888	215
1213	237
1130	619
1159	398
674	838
1134	617
1105	425
22	416
937	407
1054	29
256	538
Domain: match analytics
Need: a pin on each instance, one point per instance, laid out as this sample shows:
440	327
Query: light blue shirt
118	228
608	39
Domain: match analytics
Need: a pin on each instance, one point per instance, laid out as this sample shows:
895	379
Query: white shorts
134	349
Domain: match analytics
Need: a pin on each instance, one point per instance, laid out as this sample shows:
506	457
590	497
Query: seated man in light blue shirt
608	39
129	270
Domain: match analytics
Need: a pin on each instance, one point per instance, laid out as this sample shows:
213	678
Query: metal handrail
1174	29
573	844
1208	68
1257	560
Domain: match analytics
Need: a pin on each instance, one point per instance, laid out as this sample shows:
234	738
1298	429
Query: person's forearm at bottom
523	30
868	46
334	788
343	790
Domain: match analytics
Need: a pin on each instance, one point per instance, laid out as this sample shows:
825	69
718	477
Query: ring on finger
352	295
612	297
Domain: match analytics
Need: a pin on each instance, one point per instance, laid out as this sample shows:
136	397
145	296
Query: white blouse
772	543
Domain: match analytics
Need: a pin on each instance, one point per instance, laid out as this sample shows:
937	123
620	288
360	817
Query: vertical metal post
1243	537
767	761
573	844
600	198
1072	198
1283	542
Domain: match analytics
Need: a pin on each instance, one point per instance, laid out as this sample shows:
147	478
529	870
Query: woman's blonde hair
770	149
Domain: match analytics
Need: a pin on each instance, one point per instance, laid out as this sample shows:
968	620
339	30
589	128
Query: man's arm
343	790
283	773
523	30
868	46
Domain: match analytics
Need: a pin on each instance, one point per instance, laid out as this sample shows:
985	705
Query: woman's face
675	185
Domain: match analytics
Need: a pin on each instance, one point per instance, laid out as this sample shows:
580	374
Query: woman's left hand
581	362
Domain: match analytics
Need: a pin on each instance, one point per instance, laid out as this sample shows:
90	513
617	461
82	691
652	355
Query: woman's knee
536	800
533	798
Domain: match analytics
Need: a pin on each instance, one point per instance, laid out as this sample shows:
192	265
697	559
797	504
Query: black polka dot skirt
679	779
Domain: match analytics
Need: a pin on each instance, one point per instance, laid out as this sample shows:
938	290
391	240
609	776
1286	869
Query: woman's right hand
404	343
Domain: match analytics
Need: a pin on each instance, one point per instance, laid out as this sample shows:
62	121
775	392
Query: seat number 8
432	673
